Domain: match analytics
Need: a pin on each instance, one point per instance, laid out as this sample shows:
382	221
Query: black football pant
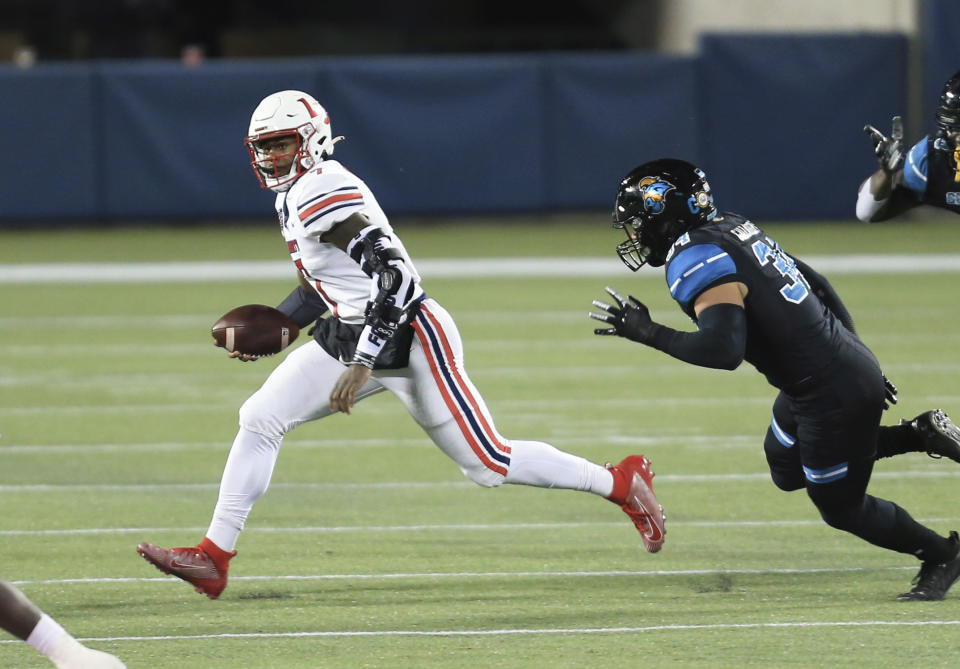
824	438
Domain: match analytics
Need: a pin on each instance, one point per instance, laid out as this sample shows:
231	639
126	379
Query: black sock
884	524
896	439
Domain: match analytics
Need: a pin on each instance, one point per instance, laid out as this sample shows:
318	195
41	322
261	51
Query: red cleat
193	565
639	502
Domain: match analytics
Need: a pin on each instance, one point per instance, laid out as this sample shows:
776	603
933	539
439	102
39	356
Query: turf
371	550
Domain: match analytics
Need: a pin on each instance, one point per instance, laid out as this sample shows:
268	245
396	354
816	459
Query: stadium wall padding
941	50
783	134
775	120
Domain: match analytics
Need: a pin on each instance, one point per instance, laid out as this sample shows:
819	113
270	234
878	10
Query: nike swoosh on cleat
653	532
187	567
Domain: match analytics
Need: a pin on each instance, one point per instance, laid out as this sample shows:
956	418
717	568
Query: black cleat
941	438
934	580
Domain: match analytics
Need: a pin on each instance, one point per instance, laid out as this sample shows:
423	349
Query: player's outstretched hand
629	319
344	393
890	393
889	150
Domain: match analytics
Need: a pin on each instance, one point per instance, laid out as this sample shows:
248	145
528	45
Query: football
254	329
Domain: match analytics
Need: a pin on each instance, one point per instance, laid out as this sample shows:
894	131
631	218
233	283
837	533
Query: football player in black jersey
928	174
752	301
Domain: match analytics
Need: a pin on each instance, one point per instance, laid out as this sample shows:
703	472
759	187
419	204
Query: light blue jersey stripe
695	268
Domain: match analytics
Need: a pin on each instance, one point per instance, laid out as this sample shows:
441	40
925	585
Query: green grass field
371	550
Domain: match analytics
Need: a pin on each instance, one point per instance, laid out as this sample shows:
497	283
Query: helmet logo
306	104
654	192
698	201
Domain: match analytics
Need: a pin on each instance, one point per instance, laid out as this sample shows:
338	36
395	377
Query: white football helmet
285	114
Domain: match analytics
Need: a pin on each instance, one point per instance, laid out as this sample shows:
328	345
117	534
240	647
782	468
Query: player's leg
24	619
932	432
780	446
441	398
837	432
297	391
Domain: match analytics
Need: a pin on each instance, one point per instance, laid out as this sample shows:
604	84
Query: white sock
538	464
44	636
245	478
64	651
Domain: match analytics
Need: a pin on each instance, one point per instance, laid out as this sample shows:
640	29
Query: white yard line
385	485
439	527
256	270
523	632
406	442
468	574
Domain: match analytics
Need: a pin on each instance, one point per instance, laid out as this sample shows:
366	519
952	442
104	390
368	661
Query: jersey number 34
796	289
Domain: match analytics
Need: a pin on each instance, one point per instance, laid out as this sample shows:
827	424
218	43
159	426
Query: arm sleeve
823	290
719	343
302	307
867	206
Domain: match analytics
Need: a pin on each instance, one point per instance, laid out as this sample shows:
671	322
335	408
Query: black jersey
791	335
932	173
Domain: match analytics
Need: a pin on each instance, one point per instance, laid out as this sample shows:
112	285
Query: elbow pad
720	342
391	290
382	261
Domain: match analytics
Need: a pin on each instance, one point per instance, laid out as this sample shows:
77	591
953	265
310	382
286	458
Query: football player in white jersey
383	333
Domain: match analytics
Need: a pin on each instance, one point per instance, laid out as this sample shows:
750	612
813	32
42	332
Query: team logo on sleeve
654	192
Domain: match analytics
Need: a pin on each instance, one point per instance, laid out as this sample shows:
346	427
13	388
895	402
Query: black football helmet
948	108
656	203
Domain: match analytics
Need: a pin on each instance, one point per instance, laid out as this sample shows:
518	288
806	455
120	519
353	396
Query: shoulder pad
327	196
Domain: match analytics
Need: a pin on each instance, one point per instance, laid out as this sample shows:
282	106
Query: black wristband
364	359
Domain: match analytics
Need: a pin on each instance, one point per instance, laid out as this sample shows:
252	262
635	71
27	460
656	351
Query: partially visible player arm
392	287
303	305
720	341
885	195
392	282
881	197
823	290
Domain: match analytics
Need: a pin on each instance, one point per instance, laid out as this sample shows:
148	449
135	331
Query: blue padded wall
774	119
781	119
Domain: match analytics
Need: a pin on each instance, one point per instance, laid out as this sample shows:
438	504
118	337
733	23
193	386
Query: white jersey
321	198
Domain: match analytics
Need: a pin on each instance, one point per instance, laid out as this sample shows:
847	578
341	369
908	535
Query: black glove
890	393
889	150
628	320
